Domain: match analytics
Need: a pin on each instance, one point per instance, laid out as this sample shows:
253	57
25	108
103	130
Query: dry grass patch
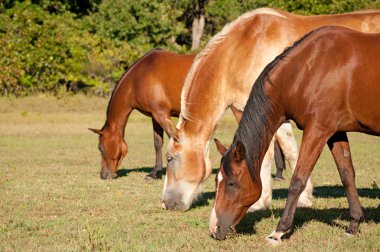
51	196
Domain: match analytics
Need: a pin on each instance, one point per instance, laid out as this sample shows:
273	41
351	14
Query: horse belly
365	106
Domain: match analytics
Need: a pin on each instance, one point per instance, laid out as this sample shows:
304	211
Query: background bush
56	46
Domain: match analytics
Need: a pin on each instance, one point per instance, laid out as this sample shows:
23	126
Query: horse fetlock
156	173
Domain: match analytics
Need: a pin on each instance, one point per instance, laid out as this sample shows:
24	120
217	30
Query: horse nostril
219	233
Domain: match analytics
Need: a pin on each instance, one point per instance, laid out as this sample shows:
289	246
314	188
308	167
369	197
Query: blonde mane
211	45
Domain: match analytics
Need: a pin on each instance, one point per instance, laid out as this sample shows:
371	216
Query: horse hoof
274	239
271	241
348	235
153	176
279	178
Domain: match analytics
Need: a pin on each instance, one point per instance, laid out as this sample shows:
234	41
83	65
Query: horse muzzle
106	174
174	205
222	232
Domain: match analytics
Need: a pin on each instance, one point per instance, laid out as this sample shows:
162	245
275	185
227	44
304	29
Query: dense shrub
57	46
43	52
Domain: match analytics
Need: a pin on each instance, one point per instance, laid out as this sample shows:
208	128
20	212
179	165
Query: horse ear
172	130
99	132
239	152
221	148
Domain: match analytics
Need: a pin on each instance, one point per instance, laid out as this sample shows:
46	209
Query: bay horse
222	76
152	85
328	83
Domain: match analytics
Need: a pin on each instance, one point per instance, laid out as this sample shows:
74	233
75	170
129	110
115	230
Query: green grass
51	196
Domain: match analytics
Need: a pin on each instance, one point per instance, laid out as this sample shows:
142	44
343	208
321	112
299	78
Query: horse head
113	149
235	190
188	166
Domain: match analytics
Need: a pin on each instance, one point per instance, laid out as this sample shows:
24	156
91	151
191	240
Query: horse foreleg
158	134
340	150
287	142
313	141
266	181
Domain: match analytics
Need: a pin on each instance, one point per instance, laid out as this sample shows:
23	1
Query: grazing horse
222	76
328	83
152	85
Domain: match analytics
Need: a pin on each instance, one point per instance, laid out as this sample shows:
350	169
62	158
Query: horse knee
296	187
158	142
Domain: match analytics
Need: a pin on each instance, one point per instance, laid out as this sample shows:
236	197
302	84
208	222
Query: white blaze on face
165	185
189	192
213	218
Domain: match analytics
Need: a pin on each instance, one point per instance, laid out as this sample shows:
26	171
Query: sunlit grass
51	196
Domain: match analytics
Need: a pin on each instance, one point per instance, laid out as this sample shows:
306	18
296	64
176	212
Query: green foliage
79	7
50	53
58	45
309	7
139	22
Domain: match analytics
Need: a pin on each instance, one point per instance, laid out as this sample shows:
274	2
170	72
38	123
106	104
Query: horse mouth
108	175
177	206
221	233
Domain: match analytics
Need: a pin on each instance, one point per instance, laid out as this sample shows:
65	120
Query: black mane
255	122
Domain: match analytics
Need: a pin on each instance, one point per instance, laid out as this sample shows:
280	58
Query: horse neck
118	109
199	130
261	118
221	76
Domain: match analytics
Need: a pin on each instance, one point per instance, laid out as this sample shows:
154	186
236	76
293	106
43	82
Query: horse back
156	80
333	78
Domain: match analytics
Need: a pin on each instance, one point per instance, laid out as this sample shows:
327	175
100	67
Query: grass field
52	198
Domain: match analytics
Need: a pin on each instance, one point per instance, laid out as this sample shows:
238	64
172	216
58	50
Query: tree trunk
197	31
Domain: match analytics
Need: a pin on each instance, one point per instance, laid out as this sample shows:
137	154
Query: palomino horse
152	85
325	98
222	76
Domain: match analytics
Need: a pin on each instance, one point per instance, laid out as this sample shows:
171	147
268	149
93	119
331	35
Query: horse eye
169	159
230	183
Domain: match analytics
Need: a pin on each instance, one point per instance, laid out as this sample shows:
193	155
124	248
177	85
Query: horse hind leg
287	142
266	180
313	141
279	159
158	134
340	150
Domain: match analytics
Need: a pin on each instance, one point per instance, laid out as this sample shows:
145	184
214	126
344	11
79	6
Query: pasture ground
52	199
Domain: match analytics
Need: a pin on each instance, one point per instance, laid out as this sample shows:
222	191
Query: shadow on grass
124	172
319	192
330	216
331	192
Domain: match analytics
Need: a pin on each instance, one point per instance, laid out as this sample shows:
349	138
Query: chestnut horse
152	85
222	76
328	83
